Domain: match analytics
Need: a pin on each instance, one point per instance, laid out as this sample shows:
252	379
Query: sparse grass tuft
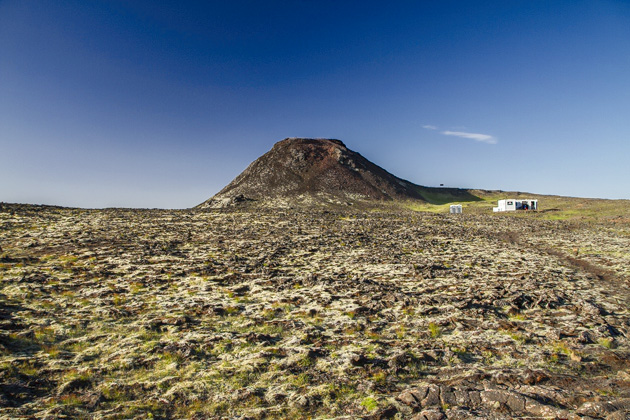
606	342
380	378
434	330
519	337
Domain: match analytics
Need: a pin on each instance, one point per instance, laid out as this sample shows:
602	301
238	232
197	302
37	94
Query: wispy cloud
484	138
430	127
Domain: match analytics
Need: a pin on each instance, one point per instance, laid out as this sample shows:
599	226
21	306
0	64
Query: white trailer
513	204
456	209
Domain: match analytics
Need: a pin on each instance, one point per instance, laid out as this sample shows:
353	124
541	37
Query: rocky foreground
311	313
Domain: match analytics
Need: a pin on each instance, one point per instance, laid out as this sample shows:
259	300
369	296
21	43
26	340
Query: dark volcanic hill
303	169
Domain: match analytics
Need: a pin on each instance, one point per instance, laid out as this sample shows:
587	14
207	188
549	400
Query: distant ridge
317	170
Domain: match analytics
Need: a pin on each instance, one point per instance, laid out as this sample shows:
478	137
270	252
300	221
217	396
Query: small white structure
512	204
456	208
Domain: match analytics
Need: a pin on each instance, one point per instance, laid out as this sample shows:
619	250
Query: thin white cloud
430	127
483	138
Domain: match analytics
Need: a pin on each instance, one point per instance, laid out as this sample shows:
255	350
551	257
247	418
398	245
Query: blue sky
162	103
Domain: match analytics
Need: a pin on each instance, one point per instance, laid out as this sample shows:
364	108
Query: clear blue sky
161	104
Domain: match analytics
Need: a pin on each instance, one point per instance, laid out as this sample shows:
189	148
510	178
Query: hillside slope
304	169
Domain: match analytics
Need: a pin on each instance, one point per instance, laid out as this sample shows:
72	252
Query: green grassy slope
551	207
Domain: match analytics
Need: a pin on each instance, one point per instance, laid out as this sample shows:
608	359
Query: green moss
302	380
605	342
518	337
434	330
369	403
379	378
561	348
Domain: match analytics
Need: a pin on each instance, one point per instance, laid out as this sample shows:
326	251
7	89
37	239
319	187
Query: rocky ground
311	313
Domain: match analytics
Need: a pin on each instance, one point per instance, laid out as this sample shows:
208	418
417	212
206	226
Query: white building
512	204
456	209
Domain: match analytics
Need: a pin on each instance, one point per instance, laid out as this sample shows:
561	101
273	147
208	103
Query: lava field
296	313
